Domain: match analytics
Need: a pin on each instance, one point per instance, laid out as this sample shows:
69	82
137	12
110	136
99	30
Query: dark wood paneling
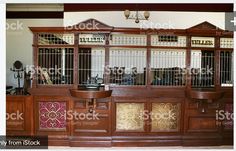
20	104
34	15
147	141
100	126
202	124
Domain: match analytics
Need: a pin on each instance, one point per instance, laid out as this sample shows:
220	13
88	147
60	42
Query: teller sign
203	42
91	39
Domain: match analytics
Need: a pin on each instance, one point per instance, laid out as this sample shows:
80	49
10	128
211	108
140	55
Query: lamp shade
146	14
127	13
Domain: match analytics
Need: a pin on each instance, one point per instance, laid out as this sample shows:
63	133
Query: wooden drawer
202	124
101	104
86	123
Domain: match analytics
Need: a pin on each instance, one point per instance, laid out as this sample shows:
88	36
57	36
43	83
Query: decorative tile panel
165	116
228	124
128	116
52	115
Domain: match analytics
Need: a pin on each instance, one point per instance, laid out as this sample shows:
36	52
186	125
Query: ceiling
57	10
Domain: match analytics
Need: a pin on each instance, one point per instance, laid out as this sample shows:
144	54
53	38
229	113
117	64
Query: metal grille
167	67
55	39
127	66
226	43
55	66
128	39
202	68
226	68
168	41
91	63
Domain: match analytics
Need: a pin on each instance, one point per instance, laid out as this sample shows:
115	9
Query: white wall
97	61
128	58
180	20
19	43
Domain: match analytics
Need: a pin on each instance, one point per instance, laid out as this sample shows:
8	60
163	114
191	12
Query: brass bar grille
202	68
91	63
226	68
168	40
55	66
226	43
55	39
168	67
127	66
128	39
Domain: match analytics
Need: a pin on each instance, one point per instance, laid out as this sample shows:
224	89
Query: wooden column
107	59
217	62
35	59
148	61
76	51
188	63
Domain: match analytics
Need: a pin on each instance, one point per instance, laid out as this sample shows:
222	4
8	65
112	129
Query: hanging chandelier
136	16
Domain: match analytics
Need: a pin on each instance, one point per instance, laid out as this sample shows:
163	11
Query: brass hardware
91	105
90	110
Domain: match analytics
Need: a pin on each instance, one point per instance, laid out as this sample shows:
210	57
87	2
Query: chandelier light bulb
127	13
146	14
136	15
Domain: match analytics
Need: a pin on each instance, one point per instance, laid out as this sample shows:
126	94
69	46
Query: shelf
205	94
85	94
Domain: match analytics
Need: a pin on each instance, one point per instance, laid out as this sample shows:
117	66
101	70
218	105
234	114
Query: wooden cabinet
120	121
199	120
19	115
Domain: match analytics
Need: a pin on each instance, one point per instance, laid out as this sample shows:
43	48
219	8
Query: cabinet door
201	122
91	121
19	115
